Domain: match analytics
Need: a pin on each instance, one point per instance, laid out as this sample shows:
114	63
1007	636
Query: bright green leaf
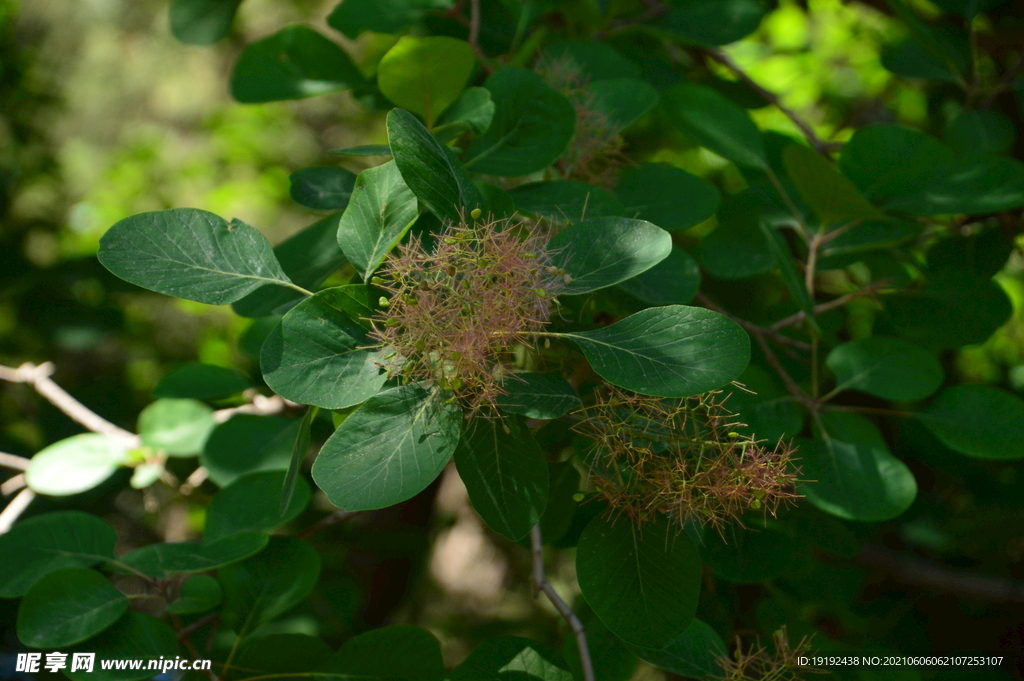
200	382
642	582
37	546
202	22
833	197
670	351
318	355
538	396
381	211
889	368
668	196
252	503
162	560
293	63
505	474
978	420
75	464
322	187
178	427
425	75
199	593
191	254
68	606
602	252
716	123
389	449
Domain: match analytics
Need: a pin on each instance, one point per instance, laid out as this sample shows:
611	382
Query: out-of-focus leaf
425	75
75	464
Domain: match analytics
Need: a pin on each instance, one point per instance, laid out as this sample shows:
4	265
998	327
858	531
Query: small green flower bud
541	293
733	435
755	504
475	213
383	302
421	345
450	240
450	270
392	323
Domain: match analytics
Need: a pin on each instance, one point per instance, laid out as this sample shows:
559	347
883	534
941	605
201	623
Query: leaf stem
297	288
541	583
15	509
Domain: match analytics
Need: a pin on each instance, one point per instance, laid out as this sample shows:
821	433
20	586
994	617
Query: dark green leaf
850	473
673	281
823	531
352	17
670	351
248	443
668	196
382	210
833	197
252	503
282	655
564	201
975	184
319	356
503	659
162	560
737	248
308	258
178	427
794	281
425	75
202	22
769	412
199	593
473	110
538	396
564	483
532	125
712	22
389	449
622	101
372	654
602	252
37	546
695	654
268	584
754	554
505	474
890	368
595	60
866	236
642	582
191	254
611	660
133	637
968	9
293	63
68	606
978	420
430	169
75	464
981	132
200	382
322	187
716	123
931	52
365	150
889	161
299	450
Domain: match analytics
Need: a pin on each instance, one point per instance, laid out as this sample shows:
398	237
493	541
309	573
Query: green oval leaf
603	252
622	101
425	75
353	17
978	420
673	281
716	123
135	636
68	606
430	168
322	187
162	560
695	654
473	110
247	443
371	654
512	657
737	248
975	184
199	593
202	22
829	194
268	584
293	63
595	60
889	161
712	22
889	368
200	382
178	427
381	211
318	355
563	201
389	449
538	396
642	582
851	474
75	464
668	196
754	554
505	474
532	125
980	132
37	546
252	503
191	254
670	351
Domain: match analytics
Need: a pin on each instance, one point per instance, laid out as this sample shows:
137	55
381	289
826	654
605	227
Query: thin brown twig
541	584
819	144
261	405
751	327
798	317
39	378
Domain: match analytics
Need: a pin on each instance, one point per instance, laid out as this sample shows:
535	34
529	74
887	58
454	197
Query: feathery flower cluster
681	458
456	314
595	154
758	664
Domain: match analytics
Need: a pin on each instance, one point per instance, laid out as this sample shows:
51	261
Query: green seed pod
450	240
383	302
541	293
421	345
392	323
755	504
475	213
377	280
410	299
450	270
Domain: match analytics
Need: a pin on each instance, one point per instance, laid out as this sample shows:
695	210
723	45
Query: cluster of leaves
509	185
